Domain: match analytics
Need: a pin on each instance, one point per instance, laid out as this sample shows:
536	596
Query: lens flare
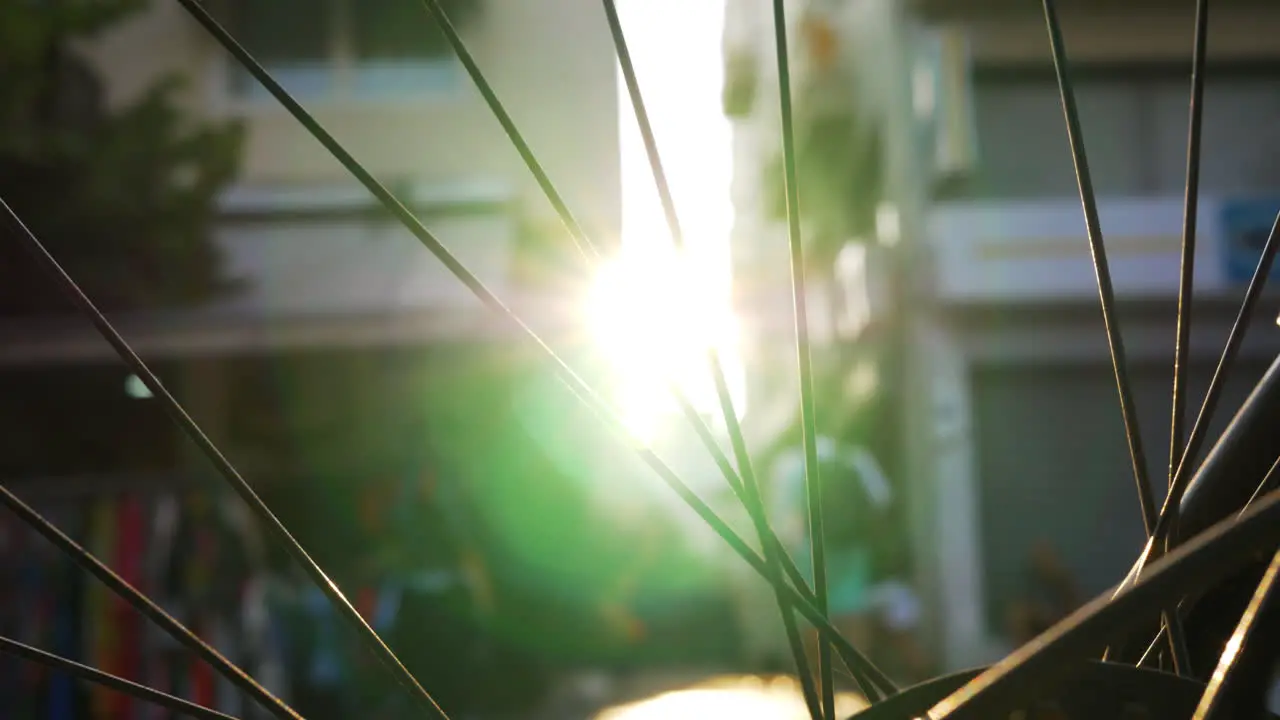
655	319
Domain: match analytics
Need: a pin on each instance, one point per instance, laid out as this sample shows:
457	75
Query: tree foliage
124	197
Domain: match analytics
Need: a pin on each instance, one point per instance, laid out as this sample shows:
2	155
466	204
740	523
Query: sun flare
656	319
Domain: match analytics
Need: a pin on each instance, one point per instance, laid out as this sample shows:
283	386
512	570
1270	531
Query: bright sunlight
656	318
657	312
742	698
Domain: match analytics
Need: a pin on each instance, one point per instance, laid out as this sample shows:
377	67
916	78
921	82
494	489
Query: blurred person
1050	594
897	646
617	605
854	490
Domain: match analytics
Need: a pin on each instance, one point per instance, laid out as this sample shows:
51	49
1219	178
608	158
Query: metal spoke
857	663
572	381
1186	279
566	216
548	187
1163	574
224	467
642	120
1106	294
799	301
1097	249
1200	429
1273	474
583	240
1264	487
1212	396
98	677
753	501
1201	562
1152	653
588	249
874	683
1211	701
144	605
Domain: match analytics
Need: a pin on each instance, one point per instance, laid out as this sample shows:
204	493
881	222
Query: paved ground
677	694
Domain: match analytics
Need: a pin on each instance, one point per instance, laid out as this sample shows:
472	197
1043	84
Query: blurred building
1012	434
321	266
349	361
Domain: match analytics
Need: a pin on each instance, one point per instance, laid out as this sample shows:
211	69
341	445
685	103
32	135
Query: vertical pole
911	316
202	387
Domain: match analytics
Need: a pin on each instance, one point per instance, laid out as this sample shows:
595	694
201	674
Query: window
349	50
1023	141
1135	131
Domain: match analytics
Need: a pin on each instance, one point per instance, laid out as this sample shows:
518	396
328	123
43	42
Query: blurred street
938	452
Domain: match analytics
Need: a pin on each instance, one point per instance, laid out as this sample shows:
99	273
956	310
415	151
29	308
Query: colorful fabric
64	611
98	604
129	559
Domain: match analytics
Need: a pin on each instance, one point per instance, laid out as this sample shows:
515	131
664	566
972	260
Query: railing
1031	251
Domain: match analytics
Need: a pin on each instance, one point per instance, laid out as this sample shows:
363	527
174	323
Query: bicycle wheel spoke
854	658
580	238
772	552
1190	203
98	677
1219	682
1217	686
1153	649
144	605
1265	486
1268	480
874	683
1106	295
1196	438
531	162
1102	271
1213	395
1208	558
641	113
566	216
753	500
703	432
544	182
799	297
224	467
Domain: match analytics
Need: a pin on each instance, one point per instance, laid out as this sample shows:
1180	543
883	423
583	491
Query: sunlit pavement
690	696
739	697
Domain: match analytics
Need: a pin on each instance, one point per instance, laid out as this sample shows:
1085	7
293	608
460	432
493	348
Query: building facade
1013	437
319	265
348	359
382	79
1042	456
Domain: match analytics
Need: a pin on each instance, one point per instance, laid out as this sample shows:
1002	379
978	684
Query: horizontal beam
962	9
200	333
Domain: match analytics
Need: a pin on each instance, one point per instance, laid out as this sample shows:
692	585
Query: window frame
343	71
1146	77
